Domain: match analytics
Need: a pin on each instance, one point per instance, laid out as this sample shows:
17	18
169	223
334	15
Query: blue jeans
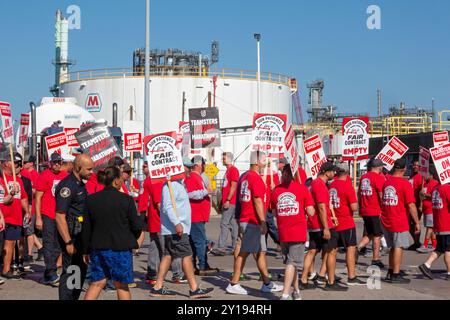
198	243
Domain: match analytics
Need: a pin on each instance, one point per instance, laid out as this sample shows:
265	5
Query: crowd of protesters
70	217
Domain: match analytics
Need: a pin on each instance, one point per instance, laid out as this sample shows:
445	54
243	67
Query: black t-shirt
28	188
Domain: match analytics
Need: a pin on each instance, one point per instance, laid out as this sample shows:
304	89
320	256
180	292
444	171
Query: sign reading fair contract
163	156
441	158
7	125
133	141
56	143
314	154
291	152
424	161
356	138
268	132
440	138
205	127
23	129
395	149
97	142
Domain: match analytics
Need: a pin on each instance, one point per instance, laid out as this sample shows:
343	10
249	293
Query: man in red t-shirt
399	206
345	204
271	180
291	201
29	171
441	223
228	221
370	198
322	232
417	182
252	225
45	216
426	193
13	200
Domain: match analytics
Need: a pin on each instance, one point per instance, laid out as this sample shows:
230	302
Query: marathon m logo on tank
204	127
441	159
356	138
390	197
366	187
287	205
163	156
315	156
393	150
97	142
93	102
269	133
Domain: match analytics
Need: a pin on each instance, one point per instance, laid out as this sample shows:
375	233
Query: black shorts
372	225
13	233
143	217
176	246
347	238
443	243
317	242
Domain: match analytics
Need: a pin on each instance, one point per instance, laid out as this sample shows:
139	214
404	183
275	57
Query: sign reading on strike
315	156
395	149
97	142
163	156
23	129
356	138
205	127
7	125
133	141
440	138
441	159
424	161
291	152
56	143
268	132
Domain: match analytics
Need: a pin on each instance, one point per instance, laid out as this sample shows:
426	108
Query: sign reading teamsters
205	127
441	159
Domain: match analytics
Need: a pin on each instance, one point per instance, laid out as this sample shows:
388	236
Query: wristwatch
70	242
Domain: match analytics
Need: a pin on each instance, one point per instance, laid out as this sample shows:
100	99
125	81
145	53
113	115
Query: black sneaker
335	287
378	263
362	251
305	286
447	277
355	282
426	271
163	292
40	256
10	276
200	293
398	279
319	280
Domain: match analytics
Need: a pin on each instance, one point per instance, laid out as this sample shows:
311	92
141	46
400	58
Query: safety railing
177	71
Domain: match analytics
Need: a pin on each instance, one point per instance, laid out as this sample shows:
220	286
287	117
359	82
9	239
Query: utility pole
257	37
147	71
379	103
183	103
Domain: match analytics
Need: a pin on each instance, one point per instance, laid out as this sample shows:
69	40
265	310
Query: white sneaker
236	289
312	276
285	297
271	287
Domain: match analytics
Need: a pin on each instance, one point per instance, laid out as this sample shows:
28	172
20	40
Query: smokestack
64	55
114	115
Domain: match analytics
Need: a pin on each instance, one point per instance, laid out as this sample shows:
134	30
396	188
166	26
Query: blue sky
408	59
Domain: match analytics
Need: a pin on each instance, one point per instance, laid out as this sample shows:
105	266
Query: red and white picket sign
133	141
424	161
23	129
57	143
7	124
440	138
393	150
355	141
291	152
315	156
441	159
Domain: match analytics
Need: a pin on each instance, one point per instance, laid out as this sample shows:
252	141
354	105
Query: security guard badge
65	192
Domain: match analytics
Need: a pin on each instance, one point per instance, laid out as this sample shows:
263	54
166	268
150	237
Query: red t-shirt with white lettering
370	185
12	213
289	203
320	193
47	183
342	196
252	186
441	207
232	175
428	188
201	209
397	195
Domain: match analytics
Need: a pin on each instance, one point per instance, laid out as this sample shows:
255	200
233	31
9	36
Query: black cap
18	157
32	159
400	164
375	163
327	166
198	160
55	157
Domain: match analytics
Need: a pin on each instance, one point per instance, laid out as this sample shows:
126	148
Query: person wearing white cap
67	164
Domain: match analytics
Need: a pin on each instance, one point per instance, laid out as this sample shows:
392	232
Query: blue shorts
13	233
114	265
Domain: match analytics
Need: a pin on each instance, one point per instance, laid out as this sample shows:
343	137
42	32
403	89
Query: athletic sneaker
335	287
336	278
163	292
312	276
399	279
210	246
296	295
355	282
378	263
52	281
2	282
219	252
285	297
179	280
362	251
319	280
10	276
426	271
447	277
132	285
306	286
236	289
40	256
271	287
200	293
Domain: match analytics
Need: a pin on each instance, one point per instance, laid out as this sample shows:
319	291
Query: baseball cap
327	166
187	162
283	160
400	164
68	158
198	160
55	157
32	159
375	163
127	168
342	168
17	157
